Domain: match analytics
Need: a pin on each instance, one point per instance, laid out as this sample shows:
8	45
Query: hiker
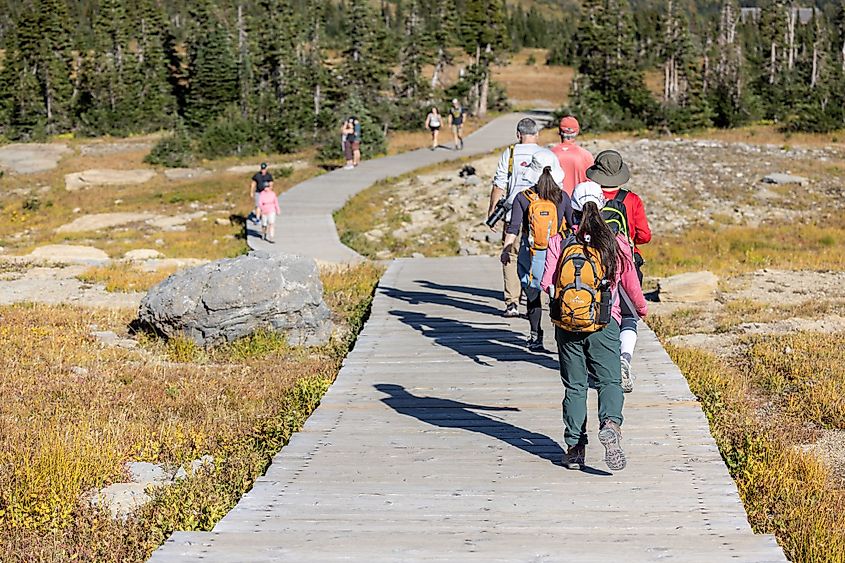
573	158
510	179
583	274
539	213
260	181
611	172
356	142
347	135
432	123
457	113
268	202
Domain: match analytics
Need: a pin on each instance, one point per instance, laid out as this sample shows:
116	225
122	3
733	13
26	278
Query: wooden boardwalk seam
440	441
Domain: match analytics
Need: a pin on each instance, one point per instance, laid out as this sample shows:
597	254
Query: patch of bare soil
55	286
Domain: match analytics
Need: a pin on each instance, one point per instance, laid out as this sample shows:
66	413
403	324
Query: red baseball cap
569	125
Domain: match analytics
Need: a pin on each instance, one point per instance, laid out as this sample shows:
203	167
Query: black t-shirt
457	115
261	180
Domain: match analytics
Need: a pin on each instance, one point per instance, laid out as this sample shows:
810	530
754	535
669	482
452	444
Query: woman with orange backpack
538	213
582	274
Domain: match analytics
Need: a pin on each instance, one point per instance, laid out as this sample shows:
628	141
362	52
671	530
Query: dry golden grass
125	276
64	431
786	491
536	85
404	141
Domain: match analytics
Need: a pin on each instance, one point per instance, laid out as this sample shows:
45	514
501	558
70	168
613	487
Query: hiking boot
535	342
511	311
610	436
627	376
574	457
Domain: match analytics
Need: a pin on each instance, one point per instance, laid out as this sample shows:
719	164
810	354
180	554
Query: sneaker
574	457
610	436
511	311
627	376
348	167
535	342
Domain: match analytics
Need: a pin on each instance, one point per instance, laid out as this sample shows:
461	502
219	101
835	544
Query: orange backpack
542	221
582	299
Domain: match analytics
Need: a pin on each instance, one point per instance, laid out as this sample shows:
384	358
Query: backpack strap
620	195
510	164
531	195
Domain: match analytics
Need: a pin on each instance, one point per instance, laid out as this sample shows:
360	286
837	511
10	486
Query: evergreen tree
484	34
412	56
368	52
442	29
727	83
212	68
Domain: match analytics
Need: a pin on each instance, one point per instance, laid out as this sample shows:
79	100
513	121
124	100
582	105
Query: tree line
780	61
242	76
238	77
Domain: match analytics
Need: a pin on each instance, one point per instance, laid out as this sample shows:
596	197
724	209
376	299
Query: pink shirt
574	160
268	202
627	276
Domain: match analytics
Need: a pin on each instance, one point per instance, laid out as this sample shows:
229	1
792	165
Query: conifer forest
243	76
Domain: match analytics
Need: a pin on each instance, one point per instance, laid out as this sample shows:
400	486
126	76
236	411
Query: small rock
146	473
107	337
78	370
77	210
222	222
127	343
159	242
417	255
186	173
121	499
778	178
140	254
195	465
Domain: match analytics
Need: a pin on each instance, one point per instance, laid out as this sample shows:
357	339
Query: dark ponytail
547	188
600	237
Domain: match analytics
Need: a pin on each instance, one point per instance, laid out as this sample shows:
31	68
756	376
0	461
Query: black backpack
616	215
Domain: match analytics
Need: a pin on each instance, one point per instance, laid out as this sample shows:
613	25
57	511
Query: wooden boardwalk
440	439
440	442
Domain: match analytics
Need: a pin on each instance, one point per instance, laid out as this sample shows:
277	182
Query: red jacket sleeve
640	231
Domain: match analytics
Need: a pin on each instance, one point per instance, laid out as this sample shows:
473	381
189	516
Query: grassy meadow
74	412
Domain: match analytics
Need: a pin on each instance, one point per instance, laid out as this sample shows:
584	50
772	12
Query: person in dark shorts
457	113
260	181
433	122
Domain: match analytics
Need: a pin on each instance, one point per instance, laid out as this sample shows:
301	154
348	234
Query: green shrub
231	134
172	151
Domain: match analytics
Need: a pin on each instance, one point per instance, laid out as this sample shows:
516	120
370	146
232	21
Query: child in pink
268	203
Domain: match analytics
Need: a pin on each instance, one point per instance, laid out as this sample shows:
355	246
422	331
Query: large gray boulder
232	298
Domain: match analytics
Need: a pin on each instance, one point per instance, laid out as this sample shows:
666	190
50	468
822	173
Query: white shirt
522	153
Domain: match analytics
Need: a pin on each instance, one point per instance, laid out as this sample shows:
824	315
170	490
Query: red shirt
637	223
574	160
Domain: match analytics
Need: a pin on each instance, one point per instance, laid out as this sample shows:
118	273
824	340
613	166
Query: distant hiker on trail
510	179
356	142
269	204
539	213
433	124
611	172
583	274
573	159
457	114
260	181
347	136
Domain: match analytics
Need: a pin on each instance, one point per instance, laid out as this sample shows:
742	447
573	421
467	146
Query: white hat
586	192
542	159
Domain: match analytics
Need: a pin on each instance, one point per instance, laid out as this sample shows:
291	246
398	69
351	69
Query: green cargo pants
581	354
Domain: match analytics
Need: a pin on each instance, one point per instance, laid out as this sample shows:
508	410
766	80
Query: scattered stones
232	298
141	254
30	158
175	174
88	178
691	287
778	178
68	254
99	221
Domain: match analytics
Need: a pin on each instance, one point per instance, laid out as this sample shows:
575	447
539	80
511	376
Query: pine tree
442	29
727	83
212	68
368	52
412	56
484	34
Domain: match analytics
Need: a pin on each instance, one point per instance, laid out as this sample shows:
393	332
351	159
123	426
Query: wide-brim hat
542	159
609	170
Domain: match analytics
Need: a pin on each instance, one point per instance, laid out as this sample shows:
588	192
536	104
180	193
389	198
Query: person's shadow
446	413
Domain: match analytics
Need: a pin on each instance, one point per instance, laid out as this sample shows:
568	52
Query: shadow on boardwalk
440	298
447	413
475	342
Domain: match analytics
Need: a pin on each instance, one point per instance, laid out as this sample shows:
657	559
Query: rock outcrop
29	158
81	180
692	287
228	299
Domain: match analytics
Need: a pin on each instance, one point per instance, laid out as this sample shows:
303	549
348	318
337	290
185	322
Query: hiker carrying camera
511	179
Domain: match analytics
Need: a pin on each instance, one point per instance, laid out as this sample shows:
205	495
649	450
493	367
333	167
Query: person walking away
611	173
433	123
573	158
457	113
269	204
260	181
511	179
583	275
539	213
347	134
356	142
